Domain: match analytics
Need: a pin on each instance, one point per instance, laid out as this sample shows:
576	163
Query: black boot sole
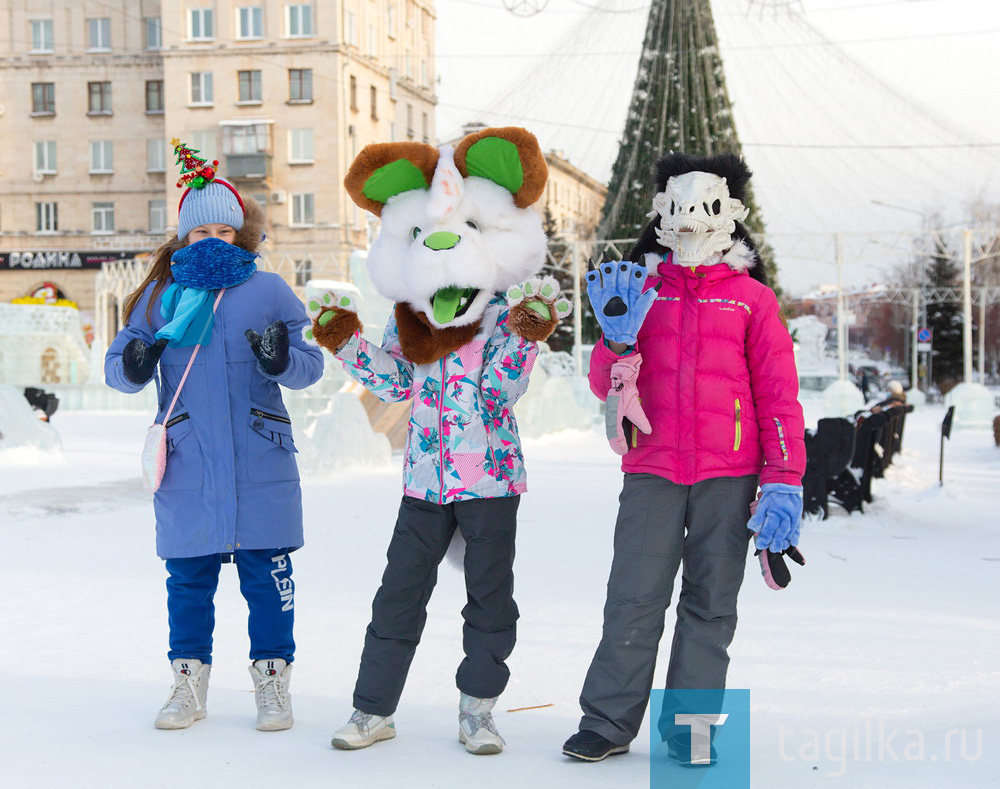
600	757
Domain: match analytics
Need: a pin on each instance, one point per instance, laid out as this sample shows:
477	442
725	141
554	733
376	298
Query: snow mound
23	437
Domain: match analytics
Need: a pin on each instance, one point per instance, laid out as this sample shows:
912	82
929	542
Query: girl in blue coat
230	492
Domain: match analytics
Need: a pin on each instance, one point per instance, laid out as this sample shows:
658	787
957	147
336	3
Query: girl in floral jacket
456	244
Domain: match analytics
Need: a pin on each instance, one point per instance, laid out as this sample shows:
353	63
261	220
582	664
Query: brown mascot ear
384	170
509	156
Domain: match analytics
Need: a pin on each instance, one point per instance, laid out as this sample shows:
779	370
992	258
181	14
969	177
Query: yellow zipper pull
739	427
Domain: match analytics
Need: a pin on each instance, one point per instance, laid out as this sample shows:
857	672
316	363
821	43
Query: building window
372	41
410	131
407	64
250	86
245	139
300	146
374	99
156	156
250	22
204	142
426	128
157	216
303	272
350	28
300	20
41	35
390	20
99	34
43	98
99	98
154	32
300	84
354	93
201	87
201	24
154	95
302	210
45	156
46	217
101	160
103	215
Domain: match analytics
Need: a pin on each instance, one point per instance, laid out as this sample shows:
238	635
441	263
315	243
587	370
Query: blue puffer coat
231	480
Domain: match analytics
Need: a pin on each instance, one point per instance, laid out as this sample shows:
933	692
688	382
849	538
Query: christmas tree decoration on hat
208	199
195	171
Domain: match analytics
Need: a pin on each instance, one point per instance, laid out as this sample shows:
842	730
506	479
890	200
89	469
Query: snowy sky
917	78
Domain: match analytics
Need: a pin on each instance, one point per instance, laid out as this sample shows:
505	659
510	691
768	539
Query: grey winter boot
274	705
186	703
362	730
476	729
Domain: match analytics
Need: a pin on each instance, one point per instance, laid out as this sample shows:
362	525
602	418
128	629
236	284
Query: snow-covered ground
892	624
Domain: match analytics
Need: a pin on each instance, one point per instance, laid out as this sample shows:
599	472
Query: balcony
248	166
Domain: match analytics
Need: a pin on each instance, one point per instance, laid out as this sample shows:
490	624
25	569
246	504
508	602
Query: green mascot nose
441	240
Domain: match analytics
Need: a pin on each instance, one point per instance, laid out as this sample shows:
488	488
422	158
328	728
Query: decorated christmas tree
195	171
679	105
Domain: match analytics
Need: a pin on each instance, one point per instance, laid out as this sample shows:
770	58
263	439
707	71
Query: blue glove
615	291
778	517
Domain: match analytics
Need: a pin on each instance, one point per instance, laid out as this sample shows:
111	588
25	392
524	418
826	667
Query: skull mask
697	216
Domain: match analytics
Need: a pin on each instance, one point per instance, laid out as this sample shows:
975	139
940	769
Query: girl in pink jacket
697	370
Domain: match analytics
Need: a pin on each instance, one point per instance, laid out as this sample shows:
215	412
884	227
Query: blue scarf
198	270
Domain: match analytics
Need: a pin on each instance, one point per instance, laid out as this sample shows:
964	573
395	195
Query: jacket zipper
441	437
176	419
739	427
275	417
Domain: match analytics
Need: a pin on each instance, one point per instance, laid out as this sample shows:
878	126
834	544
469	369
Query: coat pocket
185	468
270	448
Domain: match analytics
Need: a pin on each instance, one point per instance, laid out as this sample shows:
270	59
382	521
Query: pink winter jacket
718	379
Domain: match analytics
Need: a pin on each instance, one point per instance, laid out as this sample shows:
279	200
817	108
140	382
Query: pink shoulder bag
154	451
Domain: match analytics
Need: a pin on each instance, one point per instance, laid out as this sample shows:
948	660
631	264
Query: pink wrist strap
187	369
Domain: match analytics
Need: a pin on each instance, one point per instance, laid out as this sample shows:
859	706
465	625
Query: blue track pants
266	584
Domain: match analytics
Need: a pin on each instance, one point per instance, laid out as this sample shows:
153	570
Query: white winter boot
186	703
363	730
476	729
274	705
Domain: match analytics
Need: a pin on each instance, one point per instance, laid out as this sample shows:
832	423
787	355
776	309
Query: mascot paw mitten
334	320
139	359
271	350
536	308
773	568
776	520
615	292
624	413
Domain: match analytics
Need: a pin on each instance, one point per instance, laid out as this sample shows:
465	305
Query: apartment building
283	94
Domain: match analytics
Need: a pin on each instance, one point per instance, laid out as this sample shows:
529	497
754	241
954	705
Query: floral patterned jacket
462	440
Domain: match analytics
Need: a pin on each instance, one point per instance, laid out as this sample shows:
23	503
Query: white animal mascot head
456	227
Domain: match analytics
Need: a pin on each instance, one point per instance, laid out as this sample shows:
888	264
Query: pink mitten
623	404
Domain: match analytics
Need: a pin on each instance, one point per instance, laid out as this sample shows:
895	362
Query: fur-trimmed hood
251	235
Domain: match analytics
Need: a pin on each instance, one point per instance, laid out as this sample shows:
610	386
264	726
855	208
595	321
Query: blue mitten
776	521
615	291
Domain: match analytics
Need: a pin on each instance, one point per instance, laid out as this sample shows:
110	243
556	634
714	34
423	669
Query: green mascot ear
385	170
510	157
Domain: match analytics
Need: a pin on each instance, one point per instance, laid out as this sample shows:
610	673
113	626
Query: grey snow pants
399	611
660	526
